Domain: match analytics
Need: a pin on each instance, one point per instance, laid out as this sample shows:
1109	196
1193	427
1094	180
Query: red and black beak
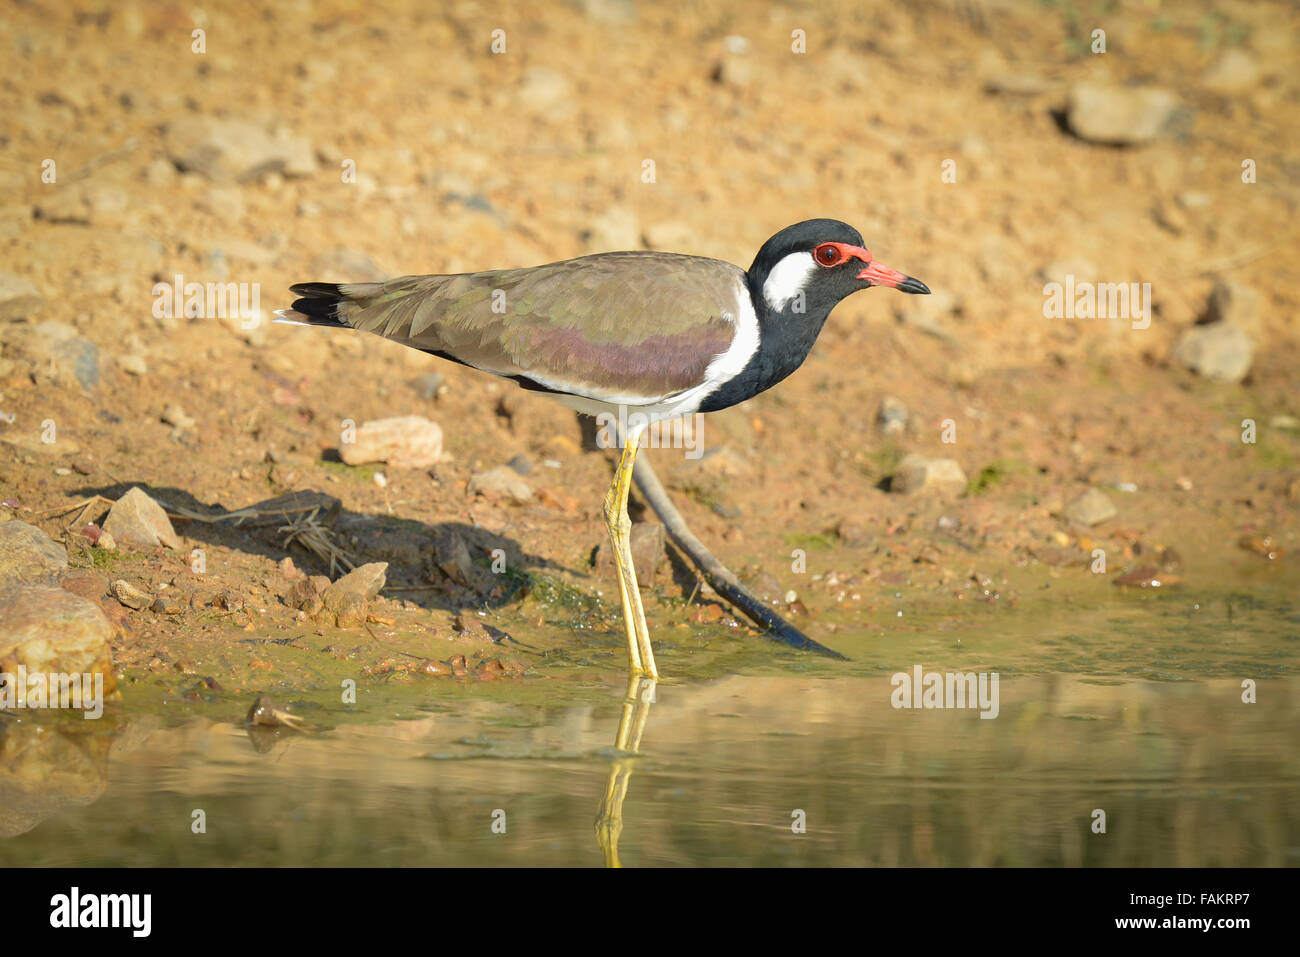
881	275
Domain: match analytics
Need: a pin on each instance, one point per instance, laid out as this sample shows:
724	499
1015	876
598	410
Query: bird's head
810	266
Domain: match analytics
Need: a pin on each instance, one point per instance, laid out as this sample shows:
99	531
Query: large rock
234	150
348	599
1219	351
29	556
50	630
917	474
137	519
1119	114
405	442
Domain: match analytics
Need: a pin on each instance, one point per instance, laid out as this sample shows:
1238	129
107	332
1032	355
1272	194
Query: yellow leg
640	654
609	817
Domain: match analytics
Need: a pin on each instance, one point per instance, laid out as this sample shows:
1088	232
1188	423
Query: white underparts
787	279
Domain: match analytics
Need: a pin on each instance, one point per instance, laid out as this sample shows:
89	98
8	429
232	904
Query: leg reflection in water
609	820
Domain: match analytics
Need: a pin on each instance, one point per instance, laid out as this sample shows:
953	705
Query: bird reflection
609	819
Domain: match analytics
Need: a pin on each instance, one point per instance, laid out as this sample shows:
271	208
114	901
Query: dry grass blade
317	539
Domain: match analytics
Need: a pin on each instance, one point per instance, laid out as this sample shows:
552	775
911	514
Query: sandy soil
465	159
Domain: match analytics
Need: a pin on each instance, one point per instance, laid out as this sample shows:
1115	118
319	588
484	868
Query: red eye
828	254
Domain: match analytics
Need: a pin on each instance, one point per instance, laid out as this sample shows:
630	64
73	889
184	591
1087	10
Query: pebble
917	474
1233	302
176	417
1220	351
236	150
137	519
891	417
18	297
133	364
1233	72
29	556
1091	508
405	442
1119	114
129	595
502	484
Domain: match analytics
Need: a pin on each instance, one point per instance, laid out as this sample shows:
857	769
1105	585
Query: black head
810	266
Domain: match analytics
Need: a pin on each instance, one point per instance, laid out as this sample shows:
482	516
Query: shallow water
1133	709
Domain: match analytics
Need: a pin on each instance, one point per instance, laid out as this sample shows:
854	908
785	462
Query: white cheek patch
787	279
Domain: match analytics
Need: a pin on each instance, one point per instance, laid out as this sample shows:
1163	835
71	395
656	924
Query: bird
639	336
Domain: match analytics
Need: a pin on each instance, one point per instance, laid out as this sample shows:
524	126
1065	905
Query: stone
133	365
405	442
448	559
57	344
29	556
1220	351
137	519
1119	114
236	150
129	595
1091	508
305	594
891	417
51	630
177	418
1234	302
501	484
917	474
364	580
18	297
1233	72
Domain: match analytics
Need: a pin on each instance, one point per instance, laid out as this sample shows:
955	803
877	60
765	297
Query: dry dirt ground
403	142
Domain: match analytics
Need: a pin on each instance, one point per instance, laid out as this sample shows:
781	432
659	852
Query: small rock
288	570
18	297
501	483
137	519
1091	508
427	385
1233	302
1264	545
468	625
28	556
133	364
1147	576
521	464
1236	70
363	582
106	541
917	474
891	417
236	150
405	442
1221	351
305	594
129	595
165	605
175	416
448	559
1119	115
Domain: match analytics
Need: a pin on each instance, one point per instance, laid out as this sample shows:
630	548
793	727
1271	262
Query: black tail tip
319	303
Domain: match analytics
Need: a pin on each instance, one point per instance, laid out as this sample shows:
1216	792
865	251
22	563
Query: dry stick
715	573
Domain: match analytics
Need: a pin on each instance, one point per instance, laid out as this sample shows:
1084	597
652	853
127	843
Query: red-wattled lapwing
659	334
